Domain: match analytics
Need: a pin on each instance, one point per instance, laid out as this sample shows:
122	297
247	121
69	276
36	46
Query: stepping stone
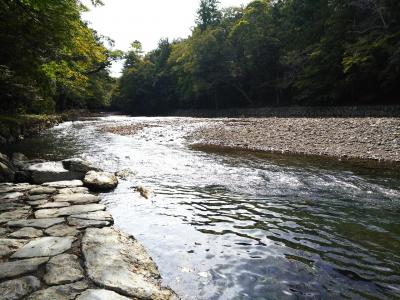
42	190
20	267
93	219
12	196
119	263
19	288
62	230
37	202
82	224
73	190
36	223
9	246
45	246
64	184
26	233
100	295
54	205
77	198
95	215
67	211
100	181
62	269
14	215
60	292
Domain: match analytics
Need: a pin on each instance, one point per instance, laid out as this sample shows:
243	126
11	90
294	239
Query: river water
241	225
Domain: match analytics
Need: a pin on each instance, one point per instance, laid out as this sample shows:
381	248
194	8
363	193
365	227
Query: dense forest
50	59
272	52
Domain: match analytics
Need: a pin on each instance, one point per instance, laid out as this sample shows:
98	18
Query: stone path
57	242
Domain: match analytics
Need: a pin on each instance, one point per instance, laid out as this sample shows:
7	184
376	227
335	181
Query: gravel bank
351	138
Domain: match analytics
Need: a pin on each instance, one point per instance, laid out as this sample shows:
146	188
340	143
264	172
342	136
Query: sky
145	20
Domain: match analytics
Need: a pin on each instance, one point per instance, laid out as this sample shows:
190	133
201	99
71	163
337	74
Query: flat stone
20	267
118	262
51	172
77	198
74	190
38	197
62	269
64	184
60	292
12	196
9	246
18	288
62	230
67	211
3	231
14	215
78	165
53	205
101	181
12	206
82	223
45	246
37	202
26	233
20	187
100	295
95	215
42	190
41	223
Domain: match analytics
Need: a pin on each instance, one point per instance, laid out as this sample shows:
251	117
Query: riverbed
233	224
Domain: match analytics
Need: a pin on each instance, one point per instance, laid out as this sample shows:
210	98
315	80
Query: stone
60	292
44	246
62	230
12	196
82	223
26	233
41	223
73	190
37	202
38	197
67	211
9	246
96	215
78	165
14	215
17	158
20	187
77	198
62	269
100	181
119	263
7	170
51	172
100	295
64	184
12	206
20	267
42	190
19	288
144	192
54	205
21	176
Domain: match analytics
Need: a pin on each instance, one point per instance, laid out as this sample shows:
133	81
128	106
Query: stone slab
21	267
45	246
36	223
100	295
63	269
60	292
19	288
26	233
77	198
67	211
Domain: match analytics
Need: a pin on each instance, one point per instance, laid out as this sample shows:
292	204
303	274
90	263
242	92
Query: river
243	225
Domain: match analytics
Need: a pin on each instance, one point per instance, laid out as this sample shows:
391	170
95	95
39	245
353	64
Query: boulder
52	172
78	165
100	181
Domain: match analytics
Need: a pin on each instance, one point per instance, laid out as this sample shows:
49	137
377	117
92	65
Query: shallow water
239	225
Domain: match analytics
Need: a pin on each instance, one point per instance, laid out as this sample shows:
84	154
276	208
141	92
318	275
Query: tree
208	14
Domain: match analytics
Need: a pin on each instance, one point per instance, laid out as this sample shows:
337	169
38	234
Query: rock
21	176
26	233
41	223
124	174
77	198
19	288
20	267
62	230
9	246
45	246
18	159
60	292
51	172
12	206
37	202
64	184
7	171
53	205
14	215
100	181
144	192
82	223
67	211
96	215
38	197
19	187
12	196
78	165
62	269
120	263
42	190
73	190
100	295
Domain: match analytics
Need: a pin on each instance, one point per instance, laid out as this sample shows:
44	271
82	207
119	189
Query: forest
269	53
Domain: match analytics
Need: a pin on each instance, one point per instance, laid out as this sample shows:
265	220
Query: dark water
238	225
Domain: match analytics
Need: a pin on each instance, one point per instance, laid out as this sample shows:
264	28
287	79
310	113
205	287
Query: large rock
45	246
20	267
60	292
19	288
77	198
7	171
100	295
78	165
67	211
118	262
100	181
52	172
62	269
36	223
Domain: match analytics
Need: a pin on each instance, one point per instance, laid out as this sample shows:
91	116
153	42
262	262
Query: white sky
145	20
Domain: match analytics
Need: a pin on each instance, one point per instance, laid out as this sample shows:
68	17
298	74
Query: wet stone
36	223
101	181
20	267
45	246
73	190
42	190
82	223
62	230
14	215
67	211
26	233
100	295
64	184
96	216
19	288
62	269
9	246
60	292
77	198
54	205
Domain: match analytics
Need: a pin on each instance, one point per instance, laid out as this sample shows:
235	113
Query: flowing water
240	225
